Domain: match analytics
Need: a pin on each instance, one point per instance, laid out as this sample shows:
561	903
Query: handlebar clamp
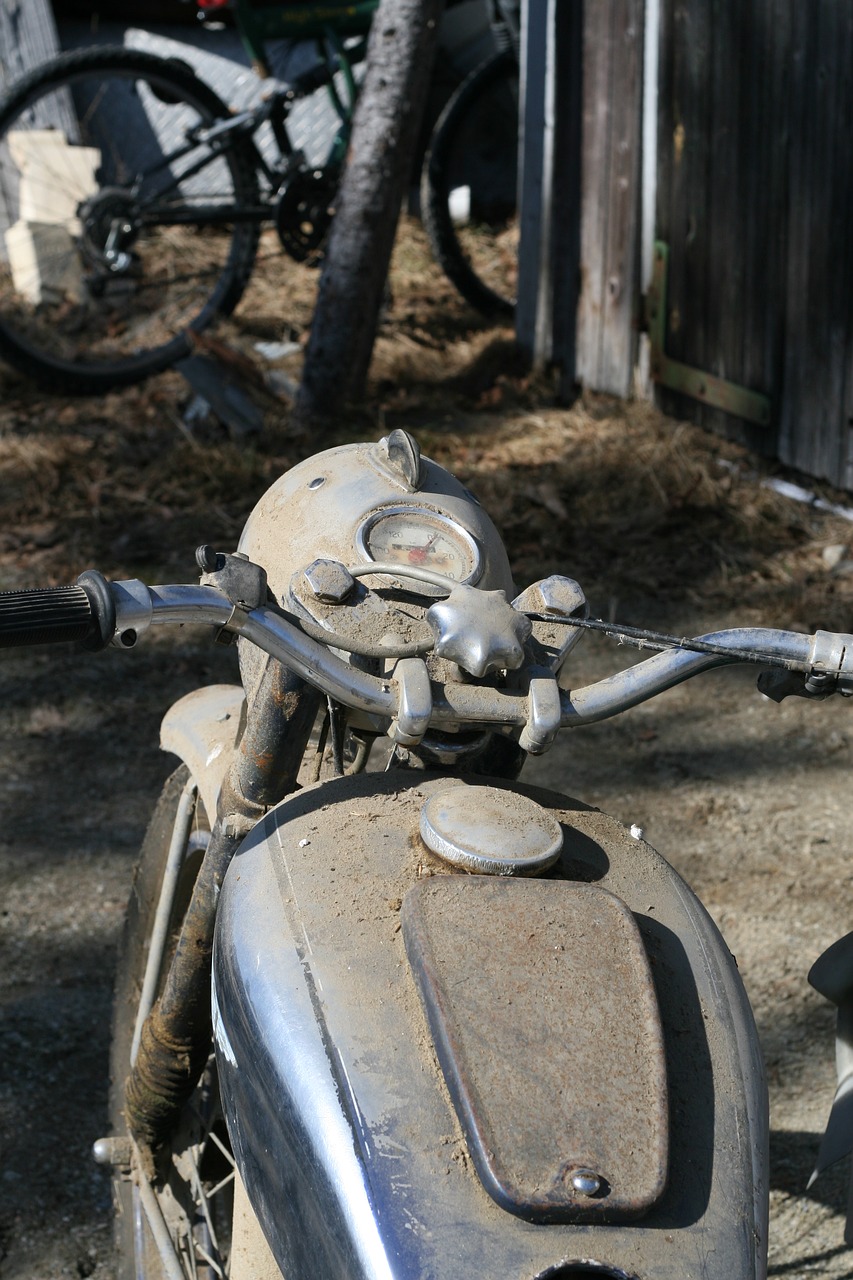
830	670
831	658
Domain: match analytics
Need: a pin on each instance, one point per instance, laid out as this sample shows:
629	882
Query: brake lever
778	685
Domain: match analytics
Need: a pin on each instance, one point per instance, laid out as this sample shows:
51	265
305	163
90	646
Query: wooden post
551	77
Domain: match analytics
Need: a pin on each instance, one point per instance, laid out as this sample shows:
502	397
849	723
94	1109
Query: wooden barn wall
755	200
610	175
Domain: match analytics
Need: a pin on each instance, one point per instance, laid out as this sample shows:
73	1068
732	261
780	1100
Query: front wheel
126	223
469	187
193	1202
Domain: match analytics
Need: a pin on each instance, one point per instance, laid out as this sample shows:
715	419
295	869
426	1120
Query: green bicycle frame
339	18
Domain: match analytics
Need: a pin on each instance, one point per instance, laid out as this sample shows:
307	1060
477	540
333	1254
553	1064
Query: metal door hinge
707	387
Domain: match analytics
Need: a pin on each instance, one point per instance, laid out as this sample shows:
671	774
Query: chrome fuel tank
349	1134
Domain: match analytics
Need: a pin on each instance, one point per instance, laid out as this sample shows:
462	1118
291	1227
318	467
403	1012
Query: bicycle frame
328	25
276	107
293	21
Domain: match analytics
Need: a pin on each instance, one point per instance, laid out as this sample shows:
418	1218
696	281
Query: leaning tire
468	187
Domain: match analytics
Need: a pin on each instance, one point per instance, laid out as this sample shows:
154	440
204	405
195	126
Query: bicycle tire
473	149
116	262
137	1254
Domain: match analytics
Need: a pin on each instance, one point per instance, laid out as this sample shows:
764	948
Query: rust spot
287	701
262	760
678	142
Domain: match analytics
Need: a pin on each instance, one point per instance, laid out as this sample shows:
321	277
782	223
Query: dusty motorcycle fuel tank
464	1027
430	1072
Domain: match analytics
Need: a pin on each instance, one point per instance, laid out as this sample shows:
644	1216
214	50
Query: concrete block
44	262
54	177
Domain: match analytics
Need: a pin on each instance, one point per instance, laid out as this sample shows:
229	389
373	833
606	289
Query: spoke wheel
115	240
469	187
195	1197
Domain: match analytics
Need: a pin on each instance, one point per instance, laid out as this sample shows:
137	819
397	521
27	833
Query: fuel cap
490	832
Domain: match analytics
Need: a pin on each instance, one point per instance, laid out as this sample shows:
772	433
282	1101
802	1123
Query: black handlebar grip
83	614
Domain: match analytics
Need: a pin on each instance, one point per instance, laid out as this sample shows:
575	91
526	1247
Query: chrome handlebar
411	702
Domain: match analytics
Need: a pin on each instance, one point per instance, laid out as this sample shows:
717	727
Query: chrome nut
562	597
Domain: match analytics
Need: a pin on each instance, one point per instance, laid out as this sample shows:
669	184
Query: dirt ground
663	524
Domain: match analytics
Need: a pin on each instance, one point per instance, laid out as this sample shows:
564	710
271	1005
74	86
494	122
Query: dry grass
647	512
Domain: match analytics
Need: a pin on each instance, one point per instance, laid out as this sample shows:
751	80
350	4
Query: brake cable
641	638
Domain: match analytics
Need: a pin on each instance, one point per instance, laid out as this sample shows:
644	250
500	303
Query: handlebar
94	612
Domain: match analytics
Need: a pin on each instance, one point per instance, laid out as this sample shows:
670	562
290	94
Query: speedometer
421	539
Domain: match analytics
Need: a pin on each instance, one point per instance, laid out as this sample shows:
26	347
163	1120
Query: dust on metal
550	976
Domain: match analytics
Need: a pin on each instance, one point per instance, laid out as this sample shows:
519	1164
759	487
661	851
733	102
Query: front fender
203	730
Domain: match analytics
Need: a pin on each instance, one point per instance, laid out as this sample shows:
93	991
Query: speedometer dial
422	539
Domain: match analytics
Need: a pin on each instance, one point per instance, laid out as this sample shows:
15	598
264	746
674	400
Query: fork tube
175	1041
174	861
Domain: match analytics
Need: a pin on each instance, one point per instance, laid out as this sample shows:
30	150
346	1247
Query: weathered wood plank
722	302
691	126
842	236
532	315
796	412
764	70
819	330
732	317
610	217
621	265
681	187
595	149
841	241
567	191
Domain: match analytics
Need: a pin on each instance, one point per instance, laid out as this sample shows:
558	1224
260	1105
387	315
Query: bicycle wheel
118	214
194	1197
469	187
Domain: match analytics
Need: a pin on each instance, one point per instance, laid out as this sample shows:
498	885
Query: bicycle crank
304	214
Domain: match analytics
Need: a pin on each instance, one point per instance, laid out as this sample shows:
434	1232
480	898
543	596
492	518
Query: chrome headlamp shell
340	504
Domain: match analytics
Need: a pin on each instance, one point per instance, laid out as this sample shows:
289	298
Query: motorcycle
419	1019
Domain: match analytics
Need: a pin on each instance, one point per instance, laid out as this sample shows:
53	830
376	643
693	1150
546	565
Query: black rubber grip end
46	615
103	609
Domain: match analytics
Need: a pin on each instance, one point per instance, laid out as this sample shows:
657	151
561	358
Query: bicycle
134	198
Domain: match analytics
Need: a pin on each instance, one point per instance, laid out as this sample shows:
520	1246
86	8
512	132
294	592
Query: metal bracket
243	582
414	702
543	712
707	387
